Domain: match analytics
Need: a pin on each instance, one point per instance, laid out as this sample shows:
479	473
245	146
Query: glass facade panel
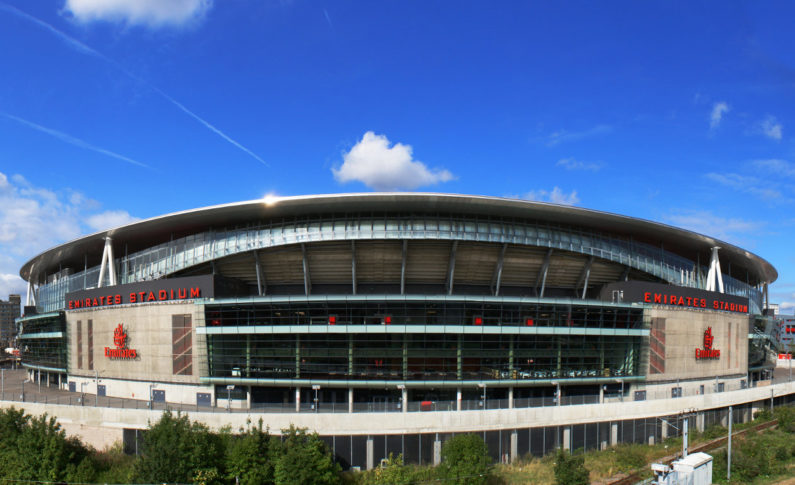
43	341
182	253
449	354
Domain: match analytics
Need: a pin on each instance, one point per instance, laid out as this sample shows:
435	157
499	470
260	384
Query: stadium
483	309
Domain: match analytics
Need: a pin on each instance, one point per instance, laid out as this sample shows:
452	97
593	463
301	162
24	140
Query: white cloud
556	196
382	167
33	219
152	13
771	128
718	110
573	164
705	222
109	219
11	283
764	190
776	166
563	136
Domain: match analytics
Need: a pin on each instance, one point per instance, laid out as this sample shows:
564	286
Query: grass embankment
760	458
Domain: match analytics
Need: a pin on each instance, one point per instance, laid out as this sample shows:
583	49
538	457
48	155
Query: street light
316	388
402	389
22	397
229	389
483	385
151	387
82	393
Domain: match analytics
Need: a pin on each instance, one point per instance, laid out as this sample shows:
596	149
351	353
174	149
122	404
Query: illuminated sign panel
681	296
144	292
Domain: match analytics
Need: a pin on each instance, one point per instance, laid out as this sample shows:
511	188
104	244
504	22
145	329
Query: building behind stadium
396	302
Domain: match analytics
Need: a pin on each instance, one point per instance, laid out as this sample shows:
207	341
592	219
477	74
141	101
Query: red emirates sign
120	341
708	352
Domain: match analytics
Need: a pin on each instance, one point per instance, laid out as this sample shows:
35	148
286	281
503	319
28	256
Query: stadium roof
141	234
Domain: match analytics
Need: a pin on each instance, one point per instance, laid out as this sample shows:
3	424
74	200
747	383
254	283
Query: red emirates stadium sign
171	289
672	295
708	352
120	341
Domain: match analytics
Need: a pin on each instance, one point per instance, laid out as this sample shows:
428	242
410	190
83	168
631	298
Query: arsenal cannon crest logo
708	352
120	341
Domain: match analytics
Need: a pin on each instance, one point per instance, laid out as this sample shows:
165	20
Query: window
79	344
90	335
182	345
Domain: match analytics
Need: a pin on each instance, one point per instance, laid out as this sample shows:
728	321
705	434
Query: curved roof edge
155	230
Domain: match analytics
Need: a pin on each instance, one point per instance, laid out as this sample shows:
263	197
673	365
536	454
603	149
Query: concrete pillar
651	440
700	420
613	434
248	398
404	396
370	454
297	399
458	399
724	419
567	438
664	430
510	398
437	451
350	399
601	394
514	446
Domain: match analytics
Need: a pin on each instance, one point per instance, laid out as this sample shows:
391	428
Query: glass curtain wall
179	254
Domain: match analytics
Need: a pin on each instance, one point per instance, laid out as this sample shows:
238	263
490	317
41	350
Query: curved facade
398	302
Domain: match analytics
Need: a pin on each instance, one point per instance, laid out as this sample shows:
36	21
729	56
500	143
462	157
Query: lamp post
151	387
402	389
316	388
483	385
229	389
22	397
96	382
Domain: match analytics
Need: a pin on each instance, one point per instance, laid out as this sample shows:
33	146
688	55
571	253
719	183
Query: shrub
570	469
630	457
465	460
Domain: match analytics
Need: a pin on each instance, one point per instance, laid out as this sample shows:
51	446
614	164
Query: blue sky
112	110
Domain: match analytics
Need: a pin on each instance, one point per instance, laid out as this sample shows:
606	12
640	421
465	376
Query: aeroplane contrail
84	49
71	139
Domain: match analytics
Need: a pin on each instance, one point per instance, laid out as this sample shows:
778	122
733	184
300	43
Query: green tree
249	456
37	449
570	469
176	450
465	460
303	459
